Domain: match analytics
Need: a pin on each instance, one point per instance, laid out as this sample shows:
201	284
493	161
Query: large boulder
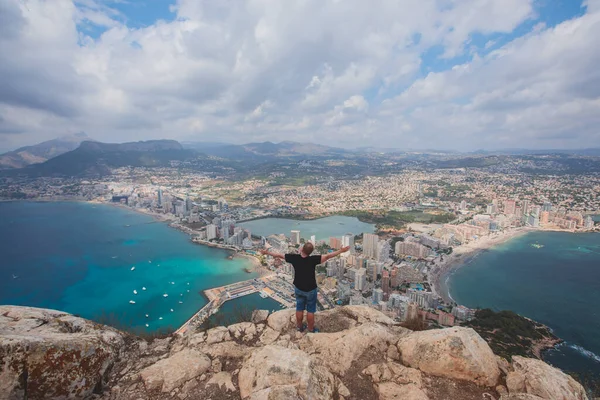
259	316
458	353
48	354
338	350
274	366
535	377
282	320
172	372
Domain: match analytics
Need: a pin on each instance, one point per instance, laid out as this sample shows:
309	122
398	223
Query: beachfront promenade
271	286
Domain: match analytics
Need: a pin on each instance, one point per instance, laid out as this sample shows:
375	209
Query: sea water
557	284
87	259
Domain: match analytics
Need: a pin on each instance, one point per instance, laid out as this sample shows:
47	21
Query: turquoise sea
557	284
322	228
78	257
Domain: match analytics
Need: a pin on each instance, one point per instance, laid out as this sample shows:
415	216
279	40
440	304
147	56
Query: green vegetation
5	194
398	219
510	334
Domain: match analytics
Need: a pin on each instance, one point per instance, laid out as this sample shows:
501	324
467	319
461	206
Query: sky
415	74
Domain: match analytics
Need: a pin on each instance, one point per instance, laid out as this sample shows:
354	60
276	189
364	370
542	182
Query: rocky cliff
361	354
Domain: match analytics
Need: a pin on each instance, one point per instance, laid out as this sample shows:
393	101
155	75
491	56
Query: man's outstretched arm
326	257
269	253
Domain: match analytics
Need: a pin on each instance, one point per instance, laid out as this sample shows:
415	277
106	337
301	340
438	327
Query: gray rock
52	354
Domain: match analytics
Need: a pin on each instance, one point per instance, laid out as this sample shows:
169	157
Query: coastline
461	255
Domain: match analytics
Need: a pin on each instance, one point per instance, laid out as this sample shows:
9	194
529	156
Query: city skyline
465	76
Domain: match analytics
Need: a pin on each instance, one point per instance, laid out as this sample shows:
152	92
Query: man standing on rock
305	282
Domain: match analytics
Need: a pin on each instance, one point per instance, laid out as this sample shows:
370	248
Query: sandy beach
464	252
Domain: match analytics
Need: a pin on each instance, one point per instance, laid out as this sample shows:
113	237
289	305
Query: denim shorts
306	300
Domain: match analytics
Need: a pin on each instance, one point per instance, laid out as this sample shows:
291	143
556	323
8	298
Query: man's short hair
308	248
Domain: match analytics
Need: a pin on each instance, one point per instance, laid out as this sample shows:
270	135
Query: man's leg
310	317
300	307
299	318
311	308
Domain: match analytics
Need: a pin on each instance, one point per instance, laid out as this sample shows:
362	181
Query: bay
322	228
78	258
557	284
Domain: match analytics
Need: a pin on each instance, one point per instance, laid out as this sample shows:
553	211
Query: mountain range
41	152
95	158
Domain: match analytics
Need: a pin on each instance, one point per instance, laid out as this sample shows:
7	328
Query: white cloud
337	71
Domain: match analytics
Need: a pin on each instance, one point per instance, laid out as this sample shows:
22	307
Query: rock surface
47	354
537	378
361	354
458	353
392	391
279	366
172	372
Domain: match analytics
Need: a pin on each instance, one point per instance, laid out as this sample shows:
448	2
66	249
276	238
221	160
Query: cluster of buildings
393	282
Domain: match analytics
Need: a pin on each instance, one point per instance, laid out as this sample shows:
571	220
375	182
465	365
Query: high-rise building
544	217
412	311
370	242
360	279
383	251
295	238
335	243
463	205
160	197
348	240
394	278
547	206
411	248
343	290
490	209
211	231
509	207
377	296
188	204
525	207
589	222
385	282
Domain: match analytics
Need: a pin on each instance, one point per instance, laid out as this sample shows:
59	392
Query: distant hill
41	152
266	151
95	158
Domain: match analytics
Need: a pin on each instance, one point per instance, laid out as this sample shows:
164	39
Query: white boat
172	283
159	317
150	261
165	295
188	284
134	291
15	276
171	310
147	325
133	268
143	288
181	294
188	291
131	302
147	315
180	302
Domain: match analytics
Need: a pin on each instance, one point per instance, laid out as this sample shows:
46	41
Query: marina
271	286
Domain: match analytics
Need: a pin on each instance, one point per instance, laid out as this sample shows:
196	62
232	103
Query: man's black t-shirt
304	270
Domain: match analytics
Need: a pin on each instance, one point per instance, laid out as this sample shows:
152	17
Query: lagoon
322	228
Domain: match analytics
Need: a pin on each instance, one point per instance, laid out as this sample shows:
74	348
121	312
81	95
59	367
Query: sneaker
302	329
315	330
